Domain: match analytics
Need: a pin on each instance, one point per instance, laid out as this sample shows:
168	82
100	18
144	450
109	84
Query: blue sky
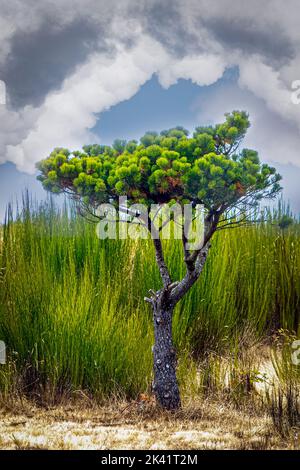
134	66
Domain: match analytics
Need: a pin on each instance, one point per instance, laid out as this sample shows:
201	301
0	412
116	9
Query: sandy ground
137	426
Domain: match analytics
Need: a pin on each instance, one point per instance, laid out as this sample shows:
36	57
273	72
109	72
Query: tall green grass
72	312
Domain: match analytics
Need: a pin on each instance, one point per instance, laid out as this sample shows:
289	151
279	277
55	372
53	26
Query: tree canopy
207	167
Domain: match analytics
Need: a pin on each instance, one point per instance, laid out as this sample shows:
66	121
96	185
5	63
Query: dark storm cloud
271	42
40	61
164	22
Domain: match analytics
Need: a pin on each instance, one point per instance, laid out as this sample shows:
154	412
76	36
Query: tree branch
191	277
163	269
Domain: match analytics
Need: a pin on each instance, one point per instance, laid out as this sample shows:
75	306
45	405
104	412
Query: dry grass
137	425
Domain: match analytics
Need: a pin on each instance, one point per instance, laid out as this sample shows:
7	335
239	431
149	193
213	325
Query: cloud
240	34
165	22
67	115
265	83
14	127
67	61
202	69
40	61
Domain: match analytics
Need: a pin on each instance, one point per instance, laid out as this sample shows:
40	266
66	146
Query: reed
72	312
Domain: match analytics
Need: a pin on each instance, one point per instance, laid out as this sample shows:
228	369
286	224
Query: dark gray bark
165	384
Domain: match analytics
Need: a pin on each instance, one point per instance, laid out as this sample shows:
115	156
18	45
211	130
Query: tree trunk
165	384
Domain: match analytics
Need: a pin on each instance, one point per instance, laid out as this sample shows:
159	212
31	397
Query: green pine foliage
171	166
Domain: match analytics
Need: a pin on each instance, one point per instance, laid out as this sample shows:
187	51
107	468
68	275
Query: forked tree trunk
165	384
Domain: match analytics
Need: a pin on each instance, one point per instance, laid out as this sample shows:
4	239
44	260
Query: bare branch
191	277
163	269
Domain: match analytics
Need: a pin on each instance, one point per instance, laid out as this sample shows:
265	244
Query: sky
74	72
